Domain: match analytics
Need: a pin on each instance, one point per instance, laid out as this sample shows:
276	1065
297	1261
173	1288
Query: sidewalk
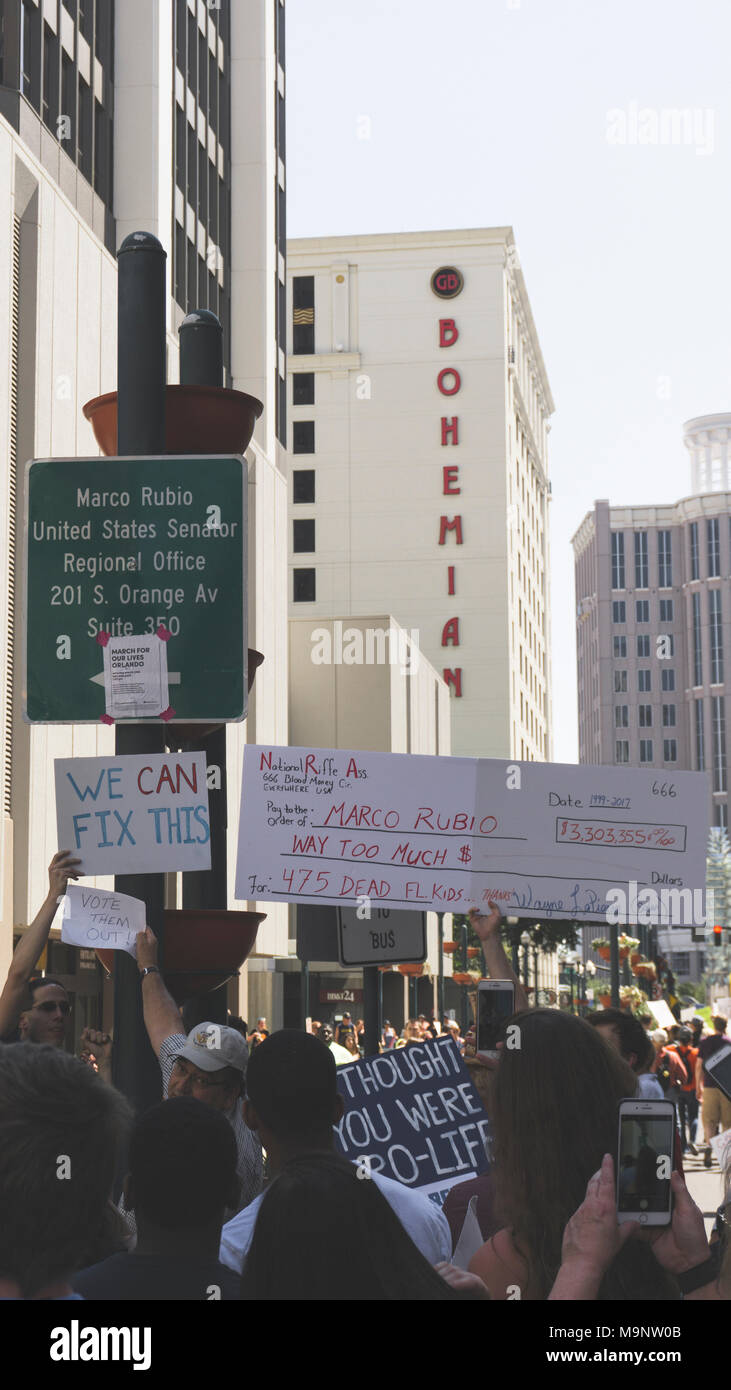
705	1186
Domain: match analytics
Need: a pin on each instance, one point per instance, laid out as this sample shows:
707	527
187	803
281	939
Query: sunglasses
48	1006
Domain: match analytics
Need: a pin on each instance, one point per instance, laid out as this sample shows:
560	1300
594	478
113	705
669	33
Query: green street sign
123	546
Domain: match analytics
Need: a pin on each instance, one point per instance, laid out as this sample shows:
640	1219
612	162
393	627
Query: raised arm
159	1010
497	964
30	947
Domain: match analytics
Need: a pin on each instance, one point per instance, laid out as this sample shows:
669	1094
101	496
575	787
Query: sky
553	117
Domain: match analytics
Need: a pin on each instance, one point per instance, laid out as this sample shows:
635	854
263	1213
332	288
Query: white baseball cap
211	1046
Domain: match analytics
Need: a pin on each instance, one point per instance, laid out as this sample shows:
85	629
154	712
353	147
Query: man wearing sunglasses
38	1009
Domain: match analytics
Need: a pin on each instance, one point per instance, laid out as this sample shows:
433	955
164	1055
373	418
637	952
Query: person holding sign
44	1018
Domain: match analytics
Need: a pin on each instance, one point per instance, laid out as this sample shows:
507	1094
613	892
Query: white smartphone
495	1005
719	1067
645	1160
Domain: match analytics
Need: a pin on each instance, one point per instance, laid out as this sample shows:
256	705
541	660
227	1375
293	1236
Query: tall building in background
166	116
419	487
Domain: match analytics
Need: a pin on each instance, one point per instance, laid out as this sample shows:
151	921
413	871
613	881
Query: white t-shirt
419	1216
649	1088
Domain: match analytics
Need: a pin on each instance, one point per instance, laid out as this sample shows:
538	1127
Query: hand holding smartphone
645	1161
495	1005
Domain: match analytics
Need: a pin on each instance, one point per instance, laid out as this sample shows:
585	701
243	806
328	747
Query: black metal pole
201	364
465	1002
371	1017
140	430
614	964
440	965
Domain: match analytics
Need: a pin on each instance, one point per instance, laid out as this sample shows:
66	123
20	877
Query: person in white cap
209	1064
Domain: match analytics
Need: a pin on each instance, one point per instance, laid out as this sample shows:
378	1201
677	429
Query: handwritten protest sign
135	814
414	1115
333	826
99	918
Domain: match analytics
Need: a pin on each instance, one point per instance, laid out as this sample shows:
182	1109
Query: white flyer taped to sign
598	844
100	918
136	677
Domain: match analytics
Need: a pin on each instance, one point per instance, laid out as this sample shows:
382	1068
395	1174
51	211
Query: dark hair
315	1210
60	1128
632	1036
182	1162
233	1021
39	982
554	1115
291	1084
685	1036
719	1023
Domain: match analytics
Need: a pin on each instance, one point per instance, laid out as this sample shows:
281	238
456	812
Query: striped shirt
249	1162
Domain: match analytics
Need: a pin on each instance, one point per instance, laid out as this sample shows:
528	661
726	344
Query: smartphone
495	1005
645	1161
719	1068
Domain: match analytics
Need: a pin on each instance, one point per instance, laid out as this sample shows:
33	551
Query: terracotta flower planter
198	420
449	947
473	952
603	951
412	968
204	947
605	1000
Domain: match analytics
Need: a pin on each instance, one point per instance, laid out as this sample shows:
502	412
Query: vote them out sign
126	546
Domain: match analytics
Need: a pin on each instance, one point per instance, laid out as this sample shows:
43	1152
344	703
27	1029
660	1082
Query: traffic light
718	936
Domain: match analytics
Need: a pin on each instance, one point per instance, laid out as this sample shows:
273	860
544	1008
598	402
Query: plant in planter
602	947
627	944
632	999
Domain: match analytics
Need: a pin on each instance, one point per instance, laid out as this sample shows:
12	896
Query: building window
50	77
303	388
303	314
715	635
303	485
718	726
619	611
720	814
681	962
303	536
645	716
85	127
695	572
617	560
666	610
669	750
643	645
303	436
621	716
644	680
642	578
645	750
667	680
30	55
620	646
621	751
68	101
668	716
620	682
664	560
697	641
304	586
642	610
714	548
700	746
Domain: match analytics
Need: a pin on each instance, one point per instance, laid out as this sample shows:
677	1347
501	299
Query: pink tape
163	634
106	719
102	638
168	713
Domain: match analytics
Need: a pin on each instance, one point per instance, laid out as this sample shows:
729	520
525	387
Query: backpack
664	1075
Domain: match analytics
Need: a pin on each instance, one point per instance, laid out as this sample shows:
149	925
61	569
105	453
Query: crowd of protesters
231	1187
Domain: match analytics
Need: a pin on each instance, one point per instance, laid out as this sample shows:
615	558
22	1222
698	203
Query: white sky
493	113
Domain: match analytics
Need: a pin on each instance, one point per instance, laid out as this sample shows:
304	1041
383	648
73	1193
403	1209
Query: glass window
303	485
700	747
667	680
714	547
644	680
85	120
666	610
715	636
50	76
643	646
621	751
303	389
695	572
645	750
681	962
620	682
620	646
720	814
697	641
664	560
303	436
668	716
304	586
621	716
718	725
642	578
669	750
645	714
642	610
303	535
617	560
